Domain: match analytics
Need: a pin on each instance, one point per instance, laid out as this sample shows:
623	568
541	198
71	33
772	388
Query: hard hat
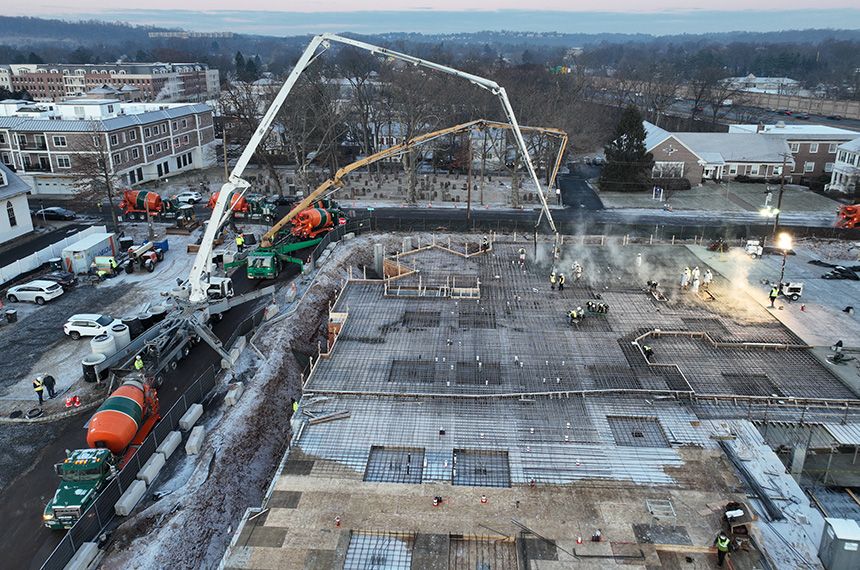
40	377
138	357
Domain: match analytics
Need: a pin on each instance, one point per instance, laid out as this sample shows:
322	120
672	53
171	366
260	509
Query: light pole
781	188
783	243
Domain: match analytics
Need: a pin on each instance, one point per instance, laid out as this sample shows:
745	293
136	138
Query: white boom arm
202	268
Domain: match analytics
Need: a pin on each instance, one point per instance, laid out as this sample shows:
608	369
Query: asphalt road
29	452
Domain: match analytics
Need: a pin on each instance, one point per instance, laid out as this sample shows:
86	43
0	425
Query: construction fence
99	515
39	258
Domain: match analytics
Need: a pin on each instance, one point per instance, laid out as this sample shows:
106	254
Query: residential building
15	218
142	141
812	146
162	82
846	169
699	157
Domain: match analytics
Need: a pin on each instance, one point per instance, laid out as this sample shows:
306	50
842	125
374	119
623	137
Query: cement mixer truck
114	434
138	204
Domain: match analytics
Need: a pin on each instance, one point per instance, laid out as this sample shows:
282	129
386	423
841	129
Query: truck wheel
129	267
794	297
35	413
172	366
159	255
158	381
753	255
150	266
186	350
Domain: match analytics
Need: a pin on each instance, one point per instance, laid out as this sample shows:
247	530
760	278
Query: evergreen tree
240	63
628	165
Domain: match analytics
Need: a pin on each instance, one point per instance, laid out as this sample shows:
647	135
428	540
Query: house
15	219
812	146
715	156
846	169
778	85
44	143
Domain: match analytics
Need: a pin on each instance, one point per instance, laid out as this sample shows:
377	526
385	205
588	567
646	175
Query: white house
846	169
15	217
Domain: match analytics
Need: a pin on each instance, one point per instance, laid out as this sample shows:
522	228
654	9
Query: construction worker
708	278
685	278
295	405
577	270
648	352
638	260
240	242
485	244
113	265
94	268
695	275
522	253
138	363
722	543
552	280
38	387
774	293
561	282
695	288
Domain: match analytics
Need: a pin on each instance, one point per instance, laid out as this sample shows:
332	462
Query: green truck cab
267	262
85	472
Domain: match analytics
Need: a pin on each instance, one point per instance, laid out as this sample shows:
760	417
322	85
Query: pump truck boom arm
336	181
202	267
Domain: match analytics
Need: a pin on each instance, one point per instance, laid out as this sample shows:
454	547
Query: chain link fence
101	512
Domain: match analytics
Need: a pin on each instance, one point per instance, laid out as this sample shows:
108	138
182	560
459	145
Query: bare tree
92	170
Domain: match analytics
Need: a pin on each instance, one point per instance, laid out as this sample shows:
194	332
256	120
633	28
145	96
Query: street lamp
783	243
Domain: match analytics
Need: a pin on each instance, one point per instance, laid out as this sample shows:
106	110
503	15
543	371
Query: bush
671	184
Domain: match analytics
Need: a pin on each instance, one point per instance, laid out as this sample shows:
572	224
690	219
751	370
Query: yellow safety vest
723	543
138	364
37	385
552	278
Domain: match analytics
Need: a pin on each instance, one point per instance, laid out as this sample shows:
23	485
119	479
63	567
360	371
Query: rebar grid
482	553
392	551
502	373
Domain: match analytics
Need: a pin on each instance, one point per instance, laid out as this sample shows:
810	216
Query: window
164	128
668	170
6	159
813	148
132	135
828	167
22	139
10	213
114	140
135	153
97	141
146	132
110	108
2	138
185	139
149	150
175	125
60	141
63	161
795	147
178	162
808	166
117	158
176	142
184	123
831	148
754	169
125	156
79	111
733	169
157	147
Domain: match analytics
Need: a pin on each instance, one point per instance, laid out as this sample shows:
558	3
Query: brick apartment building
157	82
143	142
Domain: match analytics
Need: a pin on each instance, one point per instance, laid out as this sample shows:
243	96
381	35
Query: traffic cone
483	498
77	401
803	307
336	521
435	501
68	401
579	539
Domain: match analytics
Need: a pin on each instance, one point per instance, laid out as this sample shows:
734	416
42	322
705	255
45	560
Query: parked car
597	161
64	278
55	213
37	291
803	116
87	324
835	117
783	112
189	197
283	200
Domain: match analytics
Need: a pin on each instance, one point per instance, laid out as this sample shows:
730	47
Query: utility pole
779	200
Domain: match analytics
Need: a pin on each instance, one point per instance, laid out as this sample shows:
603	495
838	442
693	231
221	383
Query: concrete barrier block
130	498
234	392
187	421
195	441
308	268
349	236
271	311
331	246
170	443
240	343
84	557
291	294
150	469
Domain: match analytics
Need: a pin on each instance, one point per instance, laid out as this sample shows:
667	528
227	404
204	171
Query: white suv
89	325
37	291
189	197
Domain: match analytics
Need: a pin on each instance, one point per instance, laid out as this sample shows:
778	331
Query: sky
263	17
